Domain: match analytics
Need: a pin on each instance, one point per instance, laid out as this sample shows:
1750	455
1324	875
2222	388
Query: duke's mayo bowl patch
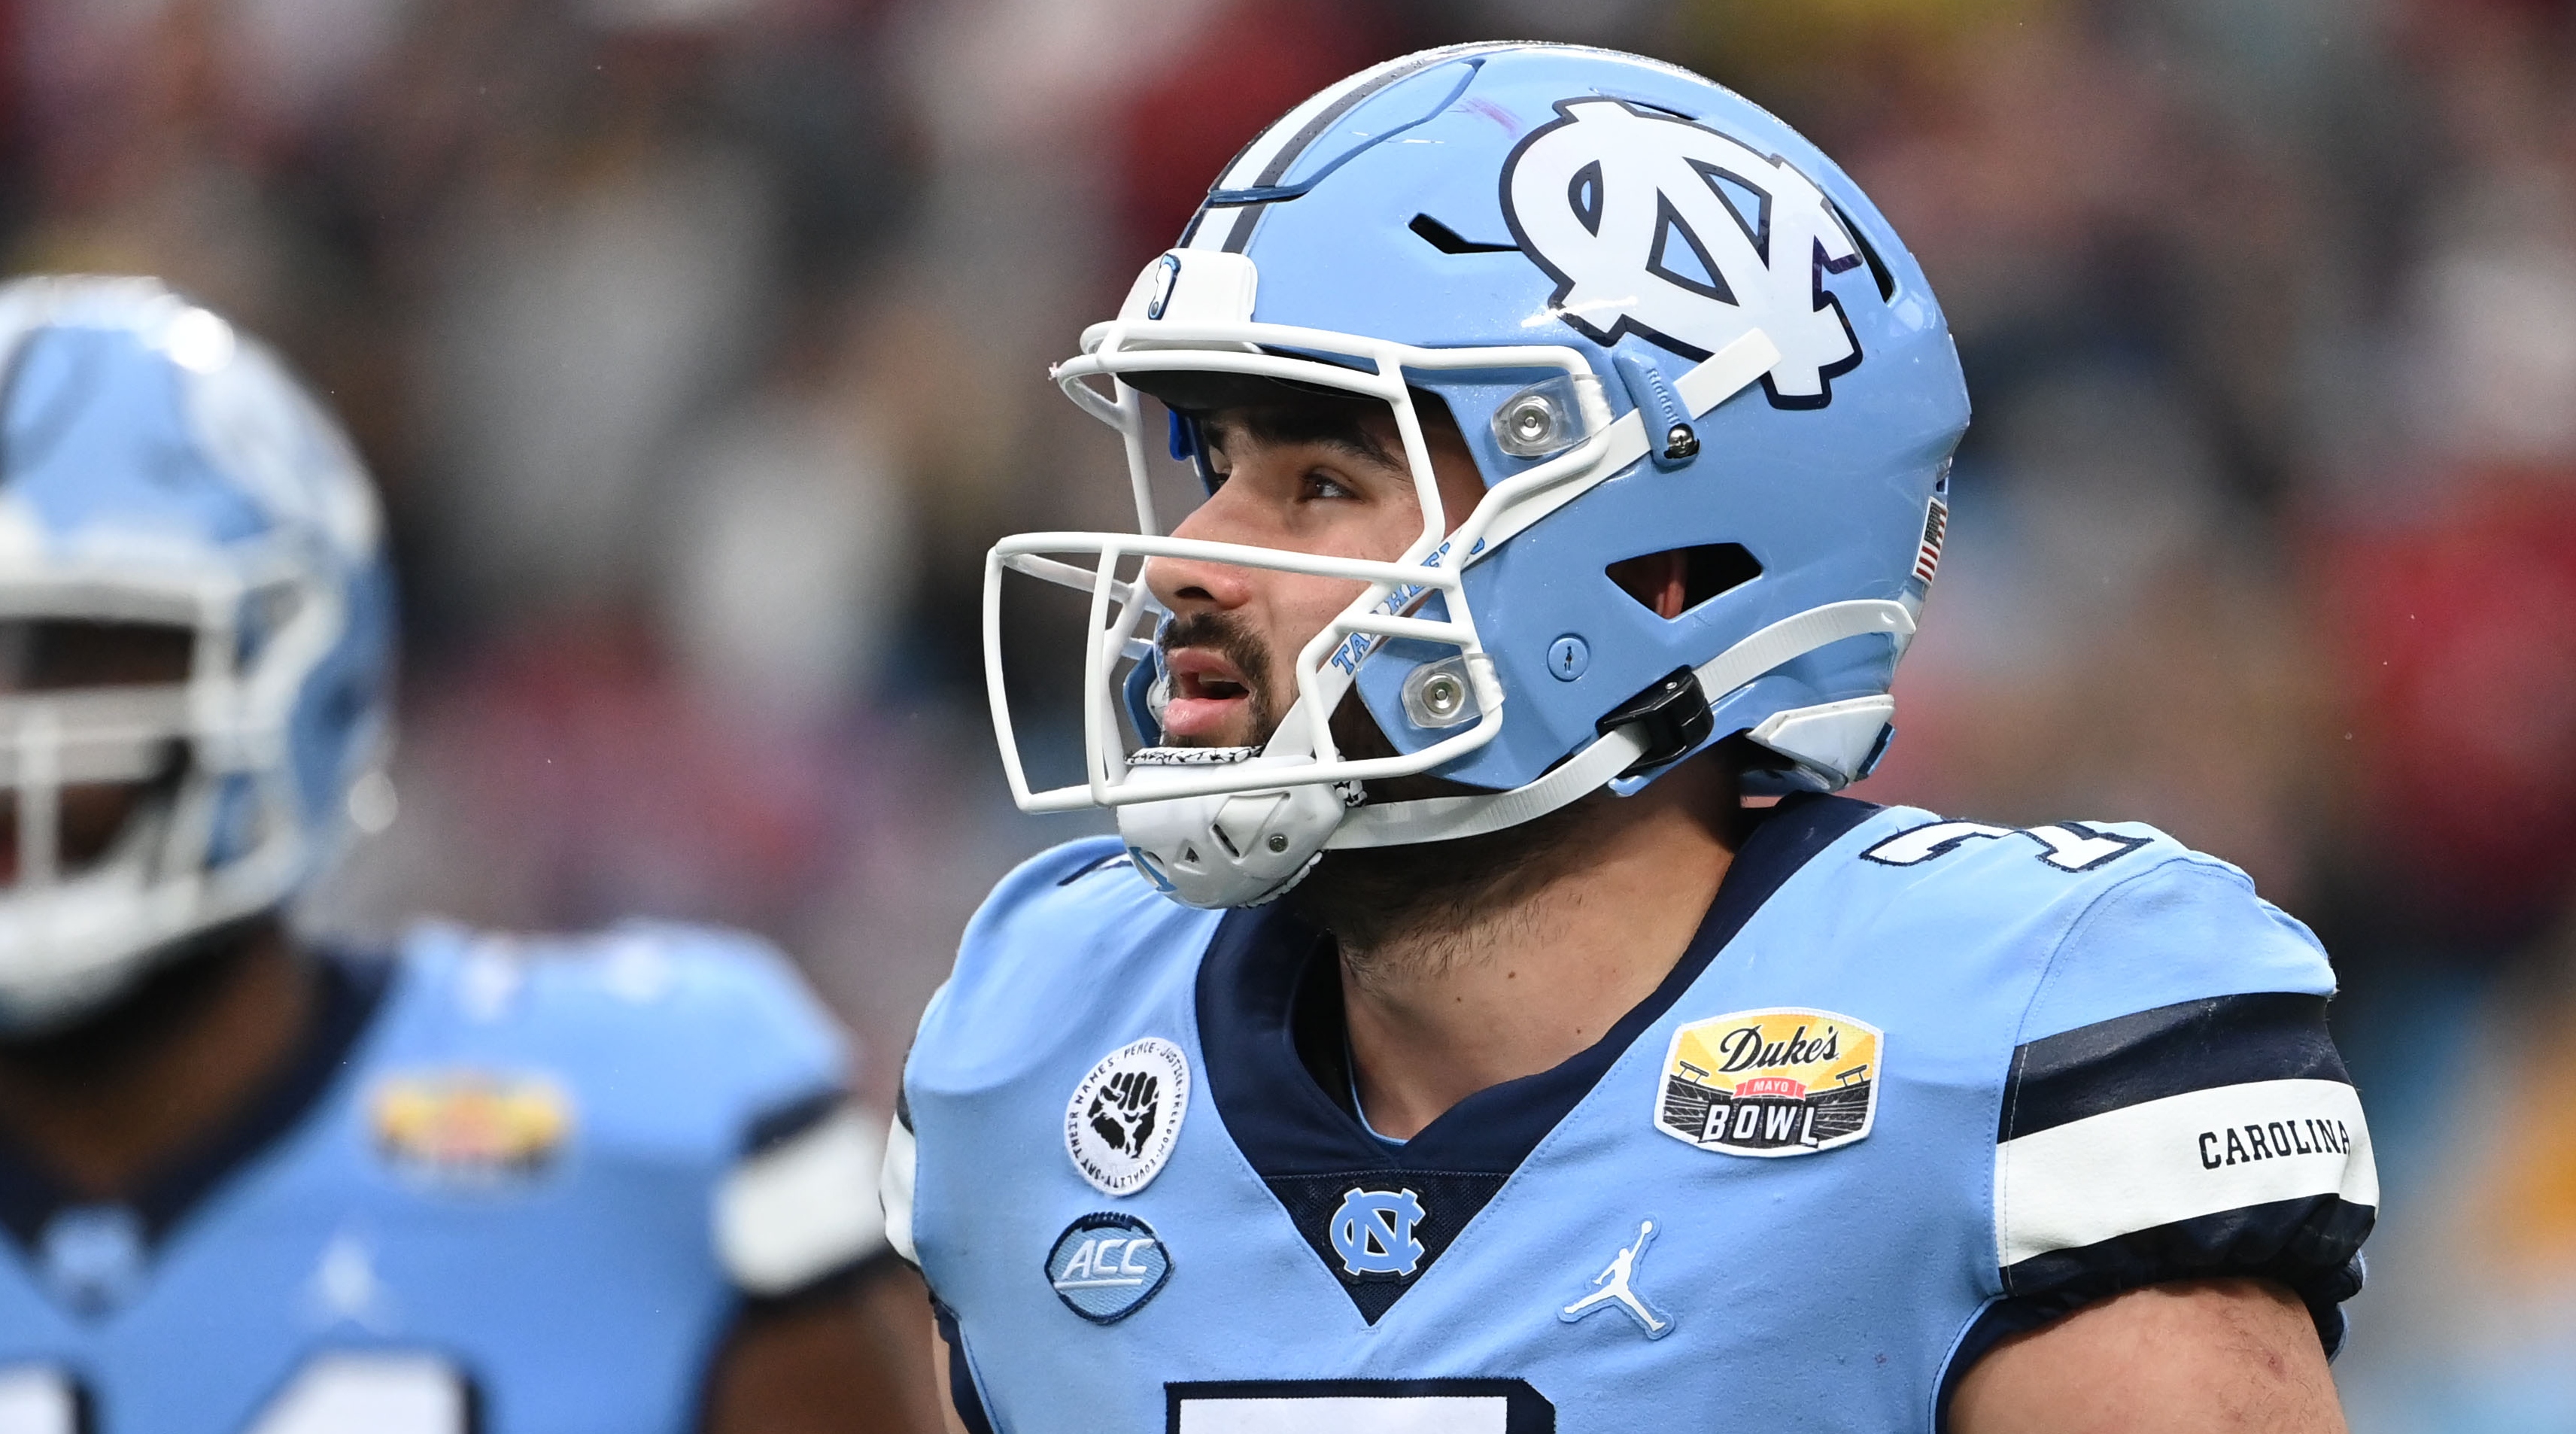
472	1126
1785	1081
1125	1116
1106	1265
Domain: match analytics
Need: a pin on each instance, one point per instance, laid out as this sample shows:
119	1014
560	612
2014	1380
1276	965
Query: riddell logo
1786	1081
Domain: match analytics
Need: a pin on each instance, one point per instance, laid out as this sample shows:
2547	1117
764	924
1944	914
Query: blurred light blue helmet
159	469
1662	321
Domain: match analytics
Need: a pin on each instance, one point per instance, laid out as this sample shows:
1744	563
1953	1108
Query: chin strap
1447	818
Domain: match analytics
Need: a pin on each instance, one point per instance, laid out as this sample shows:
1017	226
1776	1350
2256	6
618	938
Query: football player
250	1187
1454	1037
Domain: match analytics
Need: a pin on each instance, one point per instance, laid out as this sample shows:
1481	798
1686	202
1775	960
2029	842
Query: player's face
1332	482
39	657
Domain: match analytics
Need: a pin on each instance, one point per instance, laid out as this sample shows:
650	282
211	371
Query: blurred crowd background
699	347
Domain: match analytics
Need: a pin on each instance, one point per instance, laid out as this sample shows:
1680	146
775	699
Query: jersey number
348	1392
1358	1406
2068	846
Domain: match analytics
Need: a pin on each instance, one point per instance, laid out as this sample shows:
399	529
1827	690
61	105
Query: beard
1435	899
1369	899
1240	646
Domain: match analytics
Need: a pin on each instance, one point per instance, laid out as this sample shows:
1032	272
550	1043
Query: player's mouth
1212	700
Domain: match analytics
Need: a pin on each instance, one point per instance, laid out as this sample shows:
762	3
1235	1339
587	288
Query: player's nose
1196	585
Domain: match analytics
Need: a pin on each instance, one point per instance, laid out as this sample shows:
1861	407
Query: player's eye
42	654
1320	484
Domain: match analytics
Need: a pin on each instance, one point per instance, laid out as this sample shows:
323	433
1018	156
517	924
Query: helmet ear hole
1706	570
1448	241
1868	253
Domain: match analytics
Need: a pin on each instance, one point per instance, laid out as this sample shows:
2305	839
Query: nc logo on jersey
470	1126
1787	1081
1125	1116
1373	1232
1105	1266
1651	223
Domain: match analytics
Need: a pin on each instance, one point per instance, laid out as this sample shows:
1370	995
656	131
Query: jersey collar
1268	979
348	994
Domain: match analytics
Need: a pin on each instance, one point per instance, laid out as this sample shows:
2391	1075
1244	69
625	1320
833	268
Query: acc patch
1786	1081
1105	1266
470	1126
1123	1119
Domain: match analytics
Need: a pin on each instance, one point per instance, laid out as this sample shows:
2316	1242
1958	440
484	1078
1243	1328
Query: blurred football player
490	1183
1447	1041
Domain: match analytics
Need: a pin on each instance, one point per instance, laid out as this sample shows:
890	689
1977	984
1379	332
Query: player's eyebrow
1336	426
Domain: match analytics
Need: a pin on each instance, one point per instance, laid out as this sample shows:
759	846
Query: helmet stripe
1270	155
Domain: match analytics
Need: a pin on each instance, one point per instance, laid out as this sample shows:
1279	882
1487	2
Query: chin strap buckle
1671	716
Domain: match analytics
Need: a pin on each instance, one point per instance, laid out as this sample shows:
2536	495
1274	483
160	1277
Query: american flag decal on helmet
1936	526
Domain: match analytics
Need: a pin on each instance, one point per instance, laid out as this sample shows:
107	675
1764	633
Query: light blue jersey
1915	1085
510	1185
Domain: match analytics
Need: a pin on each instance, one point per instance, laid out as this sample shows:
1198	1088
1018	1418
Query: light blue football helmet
159	470
1662	321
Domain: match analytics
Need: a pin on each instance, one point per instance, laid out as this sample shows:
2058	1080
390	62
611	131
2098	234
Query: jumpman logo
1613	1287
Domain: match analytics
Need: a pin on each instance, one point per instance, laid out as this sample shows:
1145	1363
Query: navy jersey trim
1299	1135
2171	1050
1286	1122
789	1119
963	1394
347	994
2311	1245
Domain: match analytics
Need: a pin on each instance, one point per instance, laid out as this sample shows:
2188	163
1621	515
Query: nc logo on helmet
1654	224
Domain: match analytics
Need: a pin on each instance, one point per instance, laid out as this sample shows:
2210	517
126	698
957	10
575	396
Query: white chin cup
1232	849
67	949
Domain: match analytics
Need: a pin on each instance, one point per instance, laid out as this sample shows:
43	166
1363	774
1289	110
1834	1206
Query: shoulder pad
721	1012
2175	1107
1063	931
1949	848
1086	888
2187	927
2133	918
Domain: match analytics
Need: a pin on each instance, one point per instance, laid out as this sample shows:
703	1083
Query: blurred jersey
1916	1084
509	1185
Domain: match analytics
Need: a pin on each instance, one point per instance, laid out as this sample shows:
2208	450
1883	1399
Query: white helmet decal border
1576	192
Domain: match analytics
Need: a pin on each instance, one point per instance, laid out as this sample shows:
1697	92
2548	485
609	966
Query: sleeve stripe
786	1122
2177	1158
800	1210
2172	1050
2321	1266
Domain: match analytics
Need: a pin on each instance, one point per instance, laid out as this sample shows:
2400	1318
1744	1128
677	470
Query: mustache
1241	647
